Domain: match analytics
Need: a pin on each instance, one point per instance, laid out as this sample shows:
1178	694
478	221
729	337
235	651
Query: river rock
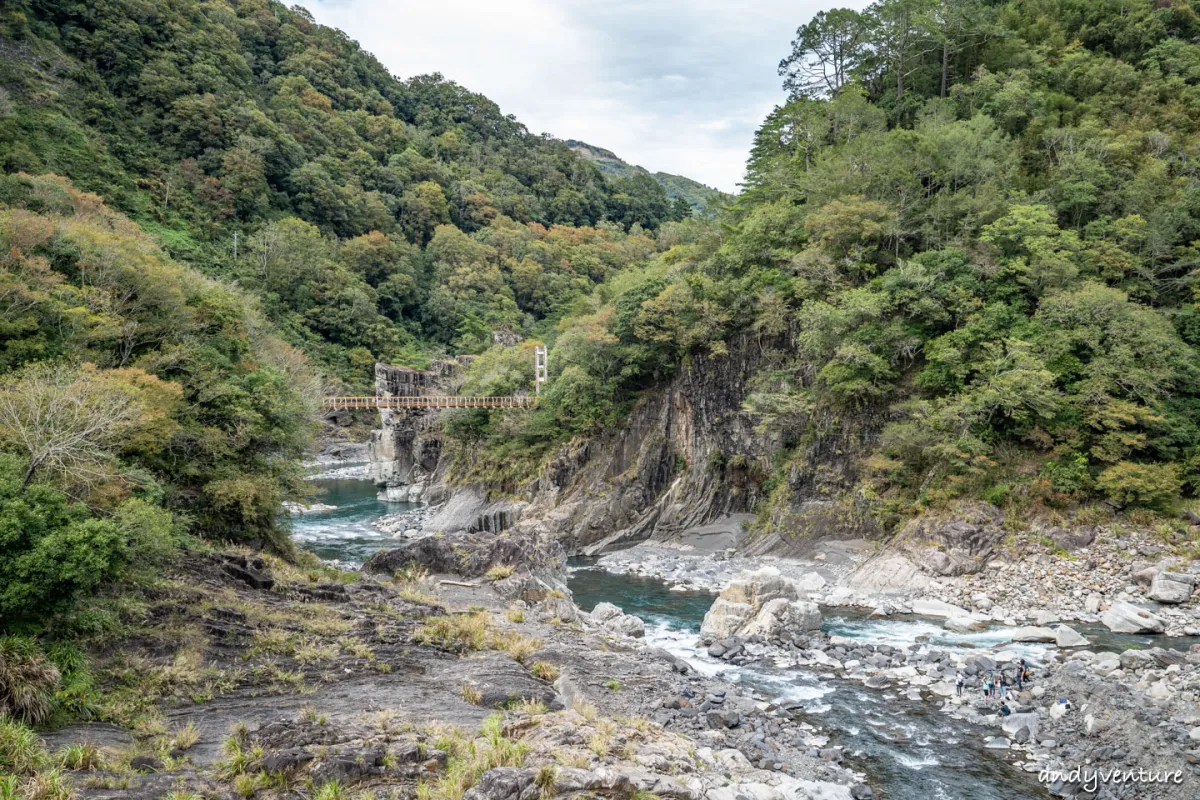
956	544
760	602
1066	636
1171	587
1123	617
1032	633
1013	723
997	743
930	607
1136	659
612	619
964	624
1092	604
780	615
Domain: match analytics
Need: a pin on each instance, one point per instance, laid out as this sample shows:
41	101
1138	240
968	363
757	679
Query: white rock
1033	634
1161	690
1066	636
1092	604
1194	734
966	624
1059	710
930	607
997	743
1014	722
810	582
1170	587
1046	617
1124	617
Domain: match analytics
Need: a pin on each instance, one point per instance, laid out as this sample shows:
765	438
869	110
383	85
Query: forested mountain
974	227
697	196
376	218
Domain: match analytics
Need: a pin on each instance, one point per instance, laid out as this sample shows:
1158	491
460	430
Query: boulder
724	618
471	556
780	615
612	619
1066	636
1045	617
964	624
1013	723
1136	659
1033	633
810	582
929	607
957	544
1072	538
1172	587
1092	604
888	573
1122	617
761	602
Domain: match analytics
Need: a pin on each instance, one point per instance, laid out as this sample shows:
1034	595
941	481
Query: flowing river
909	750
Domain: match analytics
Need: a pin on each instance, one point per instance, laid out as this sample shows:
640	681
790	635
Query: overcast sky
672	85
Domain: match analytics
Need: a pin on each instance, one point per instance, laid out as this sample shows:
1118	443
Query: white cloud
673	85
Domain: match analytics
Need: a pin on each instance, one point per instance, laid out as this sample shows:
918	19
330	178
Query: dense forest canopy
976	221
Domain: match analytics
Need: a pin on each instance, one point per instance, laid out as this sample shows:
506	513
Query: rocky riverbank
246	677
1085	709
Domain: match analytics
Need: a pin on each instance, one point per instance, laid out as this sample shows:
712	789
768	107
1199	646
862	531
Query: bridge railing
428	401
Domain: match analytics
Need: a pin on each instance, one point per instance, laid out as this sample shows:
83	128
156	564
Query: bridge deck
428	401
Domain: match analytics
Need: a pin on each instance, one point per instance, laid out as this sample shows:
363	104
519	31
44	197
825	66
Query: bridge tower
540	361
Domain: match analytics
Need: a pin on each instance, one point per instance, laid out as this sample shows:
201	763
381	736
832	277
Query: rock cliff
687	456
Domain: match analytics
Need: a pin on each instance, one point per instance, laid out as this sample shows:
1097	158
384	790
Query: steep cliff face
688	456
406	449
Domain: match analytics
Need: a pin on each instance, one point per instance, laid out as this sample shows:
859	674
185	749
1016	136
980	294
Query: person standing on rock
1021	676
1003	684
987	687
958	683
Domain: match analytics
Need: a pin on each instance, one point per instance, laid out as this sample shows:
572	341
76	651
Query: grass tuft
28	680
545	671
500	572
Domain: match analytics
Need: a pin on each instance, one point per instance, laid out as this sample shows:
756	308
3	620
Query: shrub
1153	486
27	680
54	549
1069	473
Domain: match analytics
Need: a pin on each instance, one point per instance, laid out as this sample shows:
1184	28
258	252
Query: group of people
997	683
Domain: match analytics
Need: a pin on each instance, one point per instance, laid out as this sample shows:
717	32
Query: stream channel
909	750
